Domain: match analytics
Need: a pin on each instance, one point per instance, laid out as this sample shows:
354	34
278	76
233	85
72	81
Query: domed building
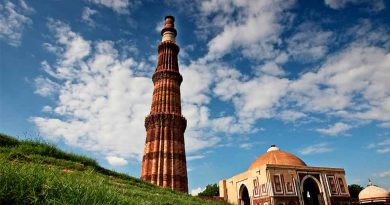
374	195
281	178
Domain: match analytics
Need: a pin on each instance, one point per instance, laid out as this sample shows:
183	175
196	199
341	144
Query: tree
210	191
354	190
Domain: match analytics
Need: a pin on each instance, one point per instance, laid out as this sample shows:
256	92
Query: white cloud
367	33
202	130
291	115
309	42
242	32
47	108
100	101
384	150
52	49
253	99
385	124
197	139
381	147
376	5
119	6
335	129
195	157
45	87
196	82
335	4
316	149
230	124
351	84
13	19
160	26
116	161
74	47
271	68
86	16
384	174
196	191
246	145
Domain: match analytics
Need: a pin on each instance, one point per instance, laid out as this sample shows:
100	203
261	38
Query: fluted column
164	160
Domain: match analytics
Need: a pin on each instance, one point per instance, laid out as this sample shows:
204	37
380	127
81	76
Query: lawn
33	172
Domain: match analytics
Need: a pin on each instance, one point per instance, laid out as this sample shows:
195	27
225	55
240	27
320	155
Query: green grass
33	172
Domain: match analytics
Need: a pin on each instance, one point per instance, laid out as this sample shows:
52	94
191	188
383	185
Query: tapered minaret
164	161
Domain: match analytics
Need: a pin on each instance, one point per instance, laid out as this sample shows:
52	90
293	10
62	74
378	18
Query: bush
7	141
210	191
354	190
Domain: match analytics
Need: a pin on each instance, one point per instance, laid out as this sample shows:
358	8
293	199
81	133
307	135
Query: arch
312	177
244	198
311	191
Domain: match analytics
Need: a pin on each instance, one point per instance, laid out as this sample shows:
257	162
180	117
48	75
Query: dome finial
273	148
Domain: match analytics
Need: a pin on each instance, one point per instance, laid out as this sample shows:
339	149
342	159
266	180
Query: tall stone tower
164	160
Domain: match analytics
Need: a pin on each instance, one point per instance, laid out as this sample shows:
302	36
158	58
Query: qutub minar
164	160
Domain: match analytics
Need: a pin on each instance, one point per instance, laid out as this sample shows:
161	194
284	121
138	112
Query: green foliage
354	190
34	147
210	191
33	172
7	141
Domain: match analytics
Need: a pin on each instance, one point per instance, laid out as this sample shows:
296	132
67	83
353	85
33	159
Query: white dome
372	191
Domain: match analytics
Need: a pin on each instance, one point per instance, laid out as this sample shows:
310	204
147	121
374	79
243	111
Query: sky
311	76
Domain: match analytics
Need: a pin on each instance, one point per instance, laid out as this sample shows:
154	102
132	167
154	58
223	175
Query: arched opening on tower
244	196
311	192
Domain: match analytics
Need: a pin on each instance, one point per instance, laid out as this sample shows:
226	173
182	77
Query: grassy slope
39	173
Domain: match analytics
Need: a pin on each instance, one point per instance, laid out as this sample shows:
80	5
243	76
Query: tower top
170	17
169	32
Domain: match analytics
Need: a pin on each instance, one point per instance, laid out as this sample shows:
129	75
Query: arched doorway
244	196
311	192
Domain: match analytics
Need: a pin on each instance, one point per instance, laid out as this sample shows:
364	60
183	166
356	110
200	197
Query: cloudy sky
312	77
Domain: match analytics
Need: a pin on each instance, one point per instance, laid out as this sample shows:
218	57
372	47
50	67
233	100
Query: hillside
34	172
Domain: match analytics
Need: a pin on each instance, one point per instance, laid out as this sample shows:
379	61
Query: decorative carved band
165	120
173	89
169	137
161	154
168	45
167	75
165	29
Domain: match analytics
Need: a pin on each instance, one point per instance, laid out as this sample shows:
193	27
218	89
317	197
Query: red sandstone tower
164	160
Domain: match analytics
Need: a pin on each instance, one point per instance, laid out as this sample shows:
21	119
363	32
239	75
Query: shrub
7	141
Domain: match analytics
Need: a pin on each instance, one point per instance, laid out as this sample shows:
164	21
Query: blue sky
312	77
